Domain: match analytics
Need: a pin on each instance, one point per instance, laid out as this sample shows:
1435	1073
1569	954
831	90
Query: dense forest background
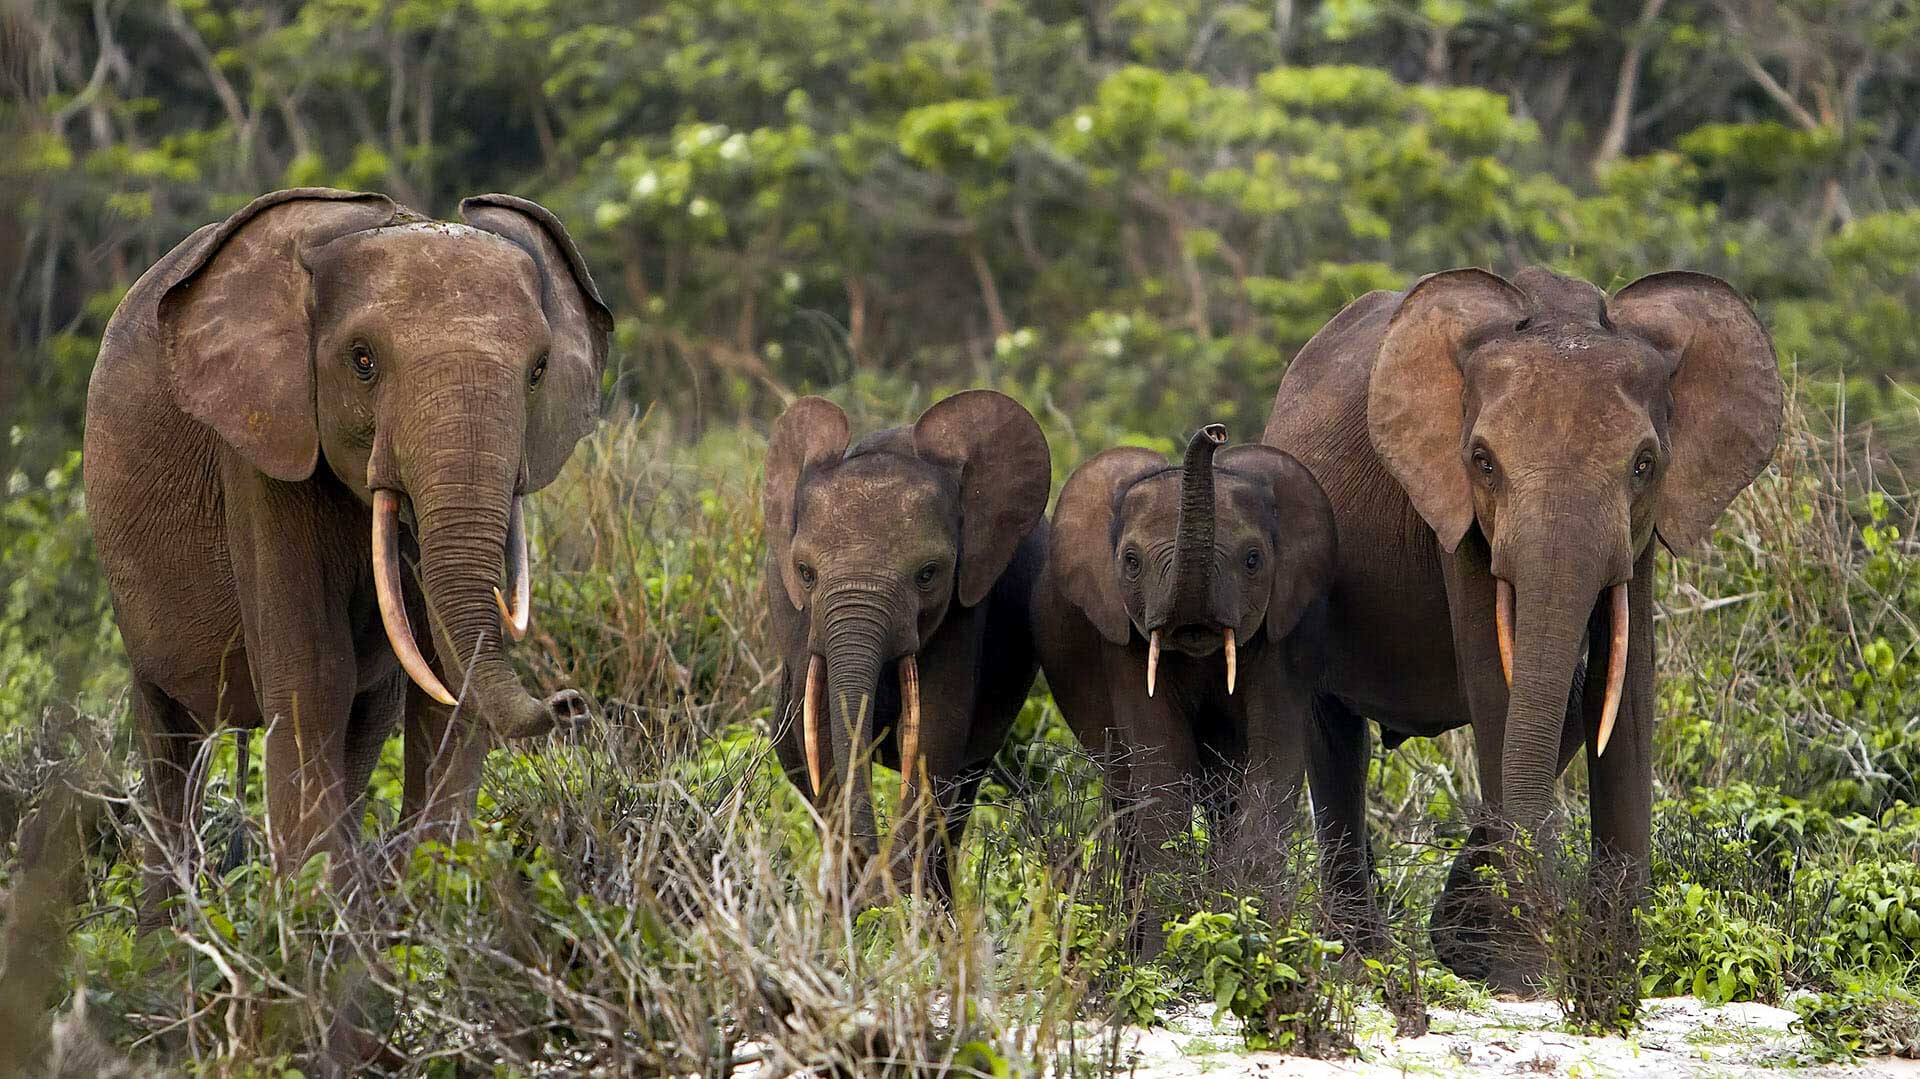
1123	211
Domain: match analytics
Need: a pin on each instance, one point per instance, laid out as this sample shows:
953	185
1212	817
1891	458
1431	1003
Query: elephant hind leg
170	744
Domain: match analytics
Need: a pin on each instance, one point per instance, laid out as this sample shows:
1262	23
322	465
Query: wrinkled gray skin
1542	433
232	448
919	541
1239	538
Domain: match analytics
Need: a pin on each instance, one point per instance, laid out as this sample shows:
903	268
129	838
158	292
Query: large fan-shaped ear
810	433
1082	543
1726	391
1303	533
1005	470
236	328
564	407
1414	409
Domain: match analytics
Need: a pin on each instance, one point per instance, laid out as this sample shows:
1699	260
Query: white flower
699	207
734	148
790	281
54	479
1083	123
646	185
17	484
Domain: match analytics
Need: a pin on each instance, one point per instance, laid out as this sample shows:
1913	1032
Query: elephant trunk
469	520
1192	598
858	632
1552	588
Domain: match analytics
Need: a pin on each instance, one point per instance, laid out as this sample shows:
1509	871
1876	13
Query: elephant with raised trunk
897	576
1502	456
288	408
1179	624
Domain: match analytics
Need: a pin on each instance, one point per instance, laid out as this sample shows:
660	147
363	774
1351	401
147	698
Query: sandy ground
1679	1037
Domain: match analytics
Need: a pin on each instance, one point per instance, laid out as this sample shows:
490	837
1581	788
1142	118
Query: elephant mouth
1197	640
813	708
1621	627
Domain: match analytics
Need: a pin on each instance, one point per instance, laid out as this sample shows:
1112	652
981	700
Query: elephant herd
312	427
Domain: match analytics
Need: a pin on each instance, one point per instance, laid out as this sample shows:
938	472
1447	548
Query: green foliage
1693	944
1873	919
1872	1017
1280	981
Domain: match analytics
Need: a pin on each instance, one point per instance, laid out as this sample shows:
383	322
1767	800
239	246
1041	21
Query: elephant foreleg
444	755
1338	747
169	742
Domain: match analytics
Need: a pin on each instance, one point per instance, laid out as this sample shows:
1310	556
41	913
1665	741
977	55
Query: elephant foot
1472	939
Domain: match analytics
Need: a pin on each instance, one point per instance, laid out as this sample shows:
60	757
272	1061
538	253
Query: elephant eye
806	573
1252	559
1130	562
539	371
1643	465
1482	461
927	574
362	358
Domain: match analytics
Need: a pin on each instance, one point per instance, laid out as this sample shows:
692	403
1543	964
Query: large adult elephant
288	405
1501	456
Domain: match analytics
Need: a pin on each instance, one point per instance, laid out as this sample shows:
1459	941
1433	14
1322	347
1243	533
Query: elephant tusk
1233	662
521	613
393	604
1503	625
1153	659
810	721
1616	666
909	724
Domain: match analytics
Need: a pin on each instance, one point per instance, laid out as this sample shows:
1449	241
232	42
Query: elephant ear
236	328
1081	551
563	408
812	432
1005	471
1303	533
1414	407
1726	392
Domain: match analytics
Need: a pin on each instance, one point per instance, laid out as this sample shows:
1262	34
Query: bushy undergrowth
651	889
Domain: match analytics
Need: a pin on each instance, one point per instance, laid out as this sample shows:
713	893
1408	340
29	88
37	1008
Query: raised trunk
1192	599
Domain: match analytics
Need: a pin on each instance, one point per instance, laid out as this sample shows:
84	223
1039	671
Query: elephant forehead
431	270
1154	502
1566	367
876	495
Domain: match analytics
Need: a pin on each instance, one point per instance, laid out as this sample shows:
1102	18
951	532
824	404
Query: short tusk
909	724
1153	659
1233	662
810	721
521	613
1616	666
1503	625
393	603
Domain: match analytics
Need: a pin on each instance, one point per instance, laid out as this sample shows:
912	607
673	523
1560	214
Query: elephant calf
898	574
285	406
1178	624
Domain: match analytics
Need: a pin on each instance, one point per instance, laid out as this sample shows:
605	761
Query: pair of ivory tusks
909	723
1153	661
393	605
1616	652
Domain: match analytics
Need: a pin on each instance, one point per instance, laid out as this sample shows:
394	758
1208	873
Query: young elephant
897	577
285	407
1178	621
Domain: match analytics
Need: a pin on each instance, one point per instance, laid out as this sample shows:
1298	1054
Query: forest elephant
1504	456
898	574
288	407
1178	623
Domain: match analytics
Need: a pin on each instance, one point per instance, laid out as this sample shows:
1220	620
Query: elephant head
875	545
1198	557
1572	428
444	369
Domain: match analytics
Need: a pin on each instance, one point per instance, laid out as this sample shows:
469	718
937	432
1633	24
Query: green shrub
1281	982
1873	919
1880	1017
1694	944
